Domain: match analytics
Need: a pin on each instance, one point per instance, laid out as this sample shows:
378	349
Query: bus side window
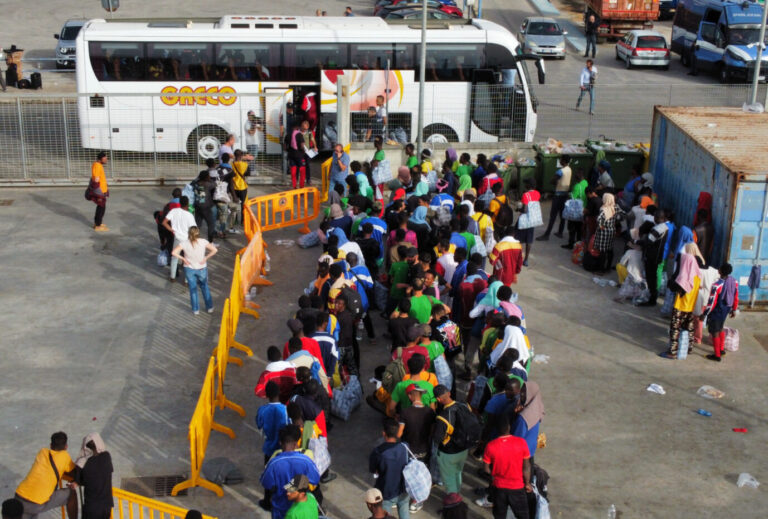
404	56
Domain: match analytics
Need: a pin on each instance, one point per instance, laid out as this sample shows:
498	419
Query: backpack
393	373
200	194
189	192
466	426
505	217
354	302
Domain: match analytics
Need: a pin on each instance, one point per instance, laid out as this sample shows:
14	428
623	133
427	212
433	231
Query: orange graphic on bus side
189	100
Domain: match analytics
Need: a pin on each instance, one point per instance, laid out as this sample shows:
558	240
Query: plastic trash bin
509	176
549	164
525	169
622	161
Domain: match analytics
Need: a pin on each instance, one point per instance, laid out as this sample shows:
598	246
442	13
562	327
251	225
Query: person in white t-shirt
178	221
228	147
197	252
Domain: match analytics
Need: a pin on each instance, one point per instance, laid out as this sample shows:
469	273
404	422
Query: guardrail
133	506
287	208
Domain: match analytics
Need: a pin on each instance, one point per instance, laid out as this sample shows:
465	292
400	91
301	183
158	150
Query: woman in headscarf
418	224
530	412
685	284
610	214
93	472
340	220
709	276
465	183
420	185
513	338
452	158
723	301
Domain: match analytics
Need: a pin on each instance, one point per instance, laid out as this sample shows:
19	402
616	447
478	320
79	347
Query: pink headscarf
689	269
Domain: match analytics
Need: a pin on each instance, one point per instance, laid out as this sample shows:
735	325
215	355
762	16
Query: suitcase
36	80
11	78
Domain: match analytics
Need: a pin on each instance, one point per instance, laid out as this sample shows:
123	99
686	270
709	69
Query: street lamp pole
759	60
422	77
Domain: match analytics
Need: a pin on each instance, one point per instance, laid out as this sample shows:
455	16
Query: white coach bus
477	84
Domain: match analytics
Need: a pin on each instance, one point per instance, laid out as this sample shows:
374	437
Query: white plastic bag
162	259
747	480
710	392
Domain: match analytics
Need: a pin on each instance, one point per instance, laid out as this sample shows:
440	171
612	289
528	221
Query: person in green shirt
465	166
411	160
578	192
421	305
464	232
417	377
398	275
304	503
378	144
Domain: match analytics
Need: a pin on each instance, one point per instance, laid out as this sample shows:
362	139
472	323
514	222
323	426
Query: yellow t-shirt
41	481
238	179
685	303
97	173
483	222
426	167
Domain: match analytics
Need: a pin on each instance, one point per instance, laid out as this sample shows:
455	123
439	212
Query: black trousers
555	210
98	218
606	259
368	323
206	214
504	498
242	194
651	277
574	232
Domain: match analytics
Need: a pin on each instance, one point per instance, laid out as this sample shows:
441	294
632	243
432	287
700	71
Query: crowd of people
425	263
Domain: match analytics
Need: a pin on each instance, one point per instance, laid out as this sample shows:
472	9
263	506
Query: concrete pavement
95	338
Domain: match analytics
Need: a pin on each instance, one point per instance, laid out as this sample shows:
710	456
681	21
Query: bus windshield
744	36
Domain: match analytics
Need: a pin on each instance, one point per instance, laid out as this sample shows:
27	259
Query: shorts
58	499
524	235
714	326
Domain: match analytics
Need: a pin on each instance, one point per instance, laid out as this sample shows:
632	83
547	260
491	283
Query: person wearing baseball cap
373	500
304	504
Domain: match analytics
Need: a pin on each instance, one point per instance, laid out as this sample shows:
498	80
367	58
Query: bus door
710	46
274	114
489	106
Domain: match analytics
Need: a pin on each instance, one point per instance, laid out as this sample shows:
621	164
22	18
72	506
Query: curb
575	36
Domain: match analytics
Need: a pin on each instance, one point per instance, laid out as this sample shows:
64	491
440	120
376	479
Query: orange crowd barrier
222	359
325	176
200	427
286	208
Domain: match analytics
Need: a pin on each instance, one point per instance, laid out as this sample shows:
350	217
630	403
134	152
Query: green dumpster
526	168
509	176
622	161
549	164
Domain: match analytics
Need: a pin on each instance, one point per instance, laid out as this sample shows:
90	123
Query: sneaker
210	310
233	231
172	280
196	312
525	263
100	228
328	477
483	502
714	357
265	505
415	507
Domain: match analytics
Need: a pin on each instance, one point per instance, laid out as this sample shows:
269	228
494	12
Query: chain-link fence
165	138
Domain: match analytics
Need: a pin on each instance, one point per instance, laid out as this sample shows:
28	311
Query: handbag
532	217
573	210
417	478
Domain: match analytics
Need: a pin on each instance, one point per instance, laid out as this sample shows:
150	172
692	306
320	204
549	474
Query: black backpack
466	426
505	217
200	193
354	302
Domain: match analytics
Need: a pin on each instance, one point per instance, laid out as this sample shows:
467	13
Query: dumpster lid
733	137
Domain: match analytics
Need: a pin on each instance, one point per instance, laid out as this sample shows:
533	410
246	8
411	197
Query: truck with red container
617	17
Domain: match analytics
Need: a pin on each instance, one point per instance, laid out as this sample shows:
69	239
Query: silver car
542	36
643	48
65	49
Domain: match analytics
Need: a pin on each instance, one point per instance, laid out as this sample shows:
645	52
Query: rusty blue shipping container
724	152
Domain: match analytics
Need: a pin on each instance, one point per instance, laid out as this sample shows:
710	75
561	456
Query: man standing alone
562	181
587	85
590	28
98	191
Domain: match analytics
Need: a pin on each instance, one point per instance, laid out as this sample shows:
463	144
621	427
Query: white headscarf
513	338
86	452
469	204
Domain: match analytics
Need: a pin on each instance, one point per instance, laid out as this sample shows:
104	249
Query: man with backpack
457	429
502	214
387	462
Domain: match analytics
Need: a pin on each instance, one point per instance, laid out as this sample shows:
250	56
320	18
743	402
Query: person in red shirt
508	462
526	235
280	372
307	344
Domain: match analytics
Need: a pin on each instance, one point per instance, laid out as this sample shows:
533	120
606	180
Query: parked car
542	36
449	6
410	13
65	49
643	48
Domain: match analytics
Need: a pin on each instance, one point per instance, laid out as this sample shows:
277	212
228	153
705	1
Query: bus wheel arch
206	141
440	133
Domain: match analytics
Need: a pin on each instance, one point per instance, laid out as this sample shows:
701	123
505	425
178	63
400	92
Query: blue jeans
197	277
591	91
591	42
403	502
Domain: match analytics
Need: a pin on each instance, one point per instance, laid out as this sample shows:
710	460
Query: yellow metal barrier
278	210
222	358
200	427
253	263
238	305
325	176
134	506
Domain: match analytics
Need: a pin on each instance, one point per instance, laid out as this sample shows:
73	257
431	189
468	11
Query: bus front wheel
440	133
206	141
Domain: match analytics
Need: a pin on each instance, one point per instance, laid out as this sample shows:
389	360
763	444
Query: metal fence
166	138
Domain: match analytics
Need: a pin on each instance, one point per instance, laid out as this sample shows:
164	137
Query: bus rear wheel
206	141
440	133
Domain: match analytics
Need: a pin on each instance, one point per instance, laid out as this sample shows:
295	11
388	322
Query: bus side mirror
542	73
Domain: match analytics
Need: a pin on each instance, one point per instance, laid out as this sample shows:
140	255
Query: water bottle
359	333
704	412
612	512
682	346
